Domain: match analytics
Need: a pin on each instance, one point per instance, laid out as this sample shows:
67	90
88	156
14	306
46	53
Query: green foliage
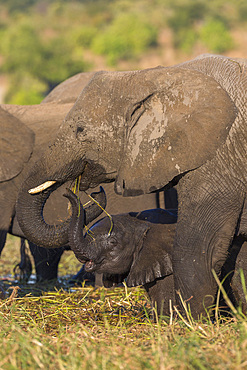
216	36
25	90
22	48
45	40
127	37
208	22
242	11
29	57
185	39
16	6
185	15
59	62
83	35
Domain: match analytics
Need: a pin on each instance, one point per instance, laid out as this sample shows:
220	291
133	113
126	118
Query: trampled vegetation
99	329
46	327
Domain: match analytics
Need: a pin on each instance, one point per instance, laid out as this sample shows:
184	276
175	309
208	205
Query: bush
83	36
44	63
125	38
25	90
183	20
242	12
59	62
185	39
185	14
21	48
215	36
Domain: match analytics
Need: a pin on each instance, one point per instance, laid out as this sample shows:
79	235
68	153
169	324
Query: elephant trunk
30	206
75	151
31	218
80	218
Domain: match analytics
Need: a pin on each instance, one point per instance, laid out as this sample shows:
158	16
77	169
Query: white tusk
41	187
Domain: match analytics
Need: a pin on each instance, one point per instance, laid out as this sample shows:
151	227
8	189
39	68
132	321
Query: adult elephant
148	130
25	132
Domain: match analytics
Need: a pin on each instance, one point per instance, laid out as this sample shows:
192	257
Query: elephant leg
83	275
209	209
230	272
243	222
161	294
46	261
25	265
3	237
171	198
236	283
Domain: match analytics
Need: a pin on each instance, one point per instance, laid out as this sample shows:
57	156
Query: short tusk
41	187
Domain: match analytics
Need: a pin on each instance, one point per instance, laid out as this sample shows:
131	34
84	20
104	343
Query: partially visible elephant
25	133
139	249
147	130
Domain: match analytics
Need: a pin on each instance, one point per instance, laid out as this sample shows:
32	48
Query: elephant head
137	245
142	129
25	133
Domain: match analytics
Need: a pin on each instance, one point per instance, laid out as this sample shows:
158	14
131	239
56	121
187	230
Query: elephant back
68	91
231	75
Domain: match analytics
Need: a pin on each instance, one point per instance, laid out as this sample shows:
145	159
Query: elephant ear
16	144
177	129
151	261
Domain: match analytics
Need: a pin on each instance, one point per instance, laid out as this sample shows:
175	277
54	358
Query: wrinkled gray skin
139	248
152	129
25	133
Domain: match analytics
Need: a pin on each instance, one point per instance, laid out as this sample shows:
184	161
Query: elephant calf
139	249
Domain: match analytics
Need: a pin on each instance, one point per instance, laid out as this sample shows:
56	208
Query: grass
89	328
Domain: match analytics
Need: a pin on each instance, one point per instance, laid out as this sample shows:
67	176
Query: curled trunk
30	208
49	236
80	218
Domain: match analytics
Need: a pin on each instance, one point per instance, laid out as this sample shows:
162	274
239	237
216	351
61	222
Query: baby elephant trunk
80	218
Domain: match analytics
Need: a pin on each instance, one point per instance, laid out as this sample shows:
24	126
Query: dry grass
91	328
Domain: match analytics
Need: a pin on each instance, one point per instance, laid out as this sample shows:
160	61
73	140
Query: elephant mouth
90	266
85	180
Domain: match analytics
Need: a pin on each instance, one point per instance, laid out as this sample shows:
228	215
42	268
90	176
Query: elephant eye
79	131
112	242
80	128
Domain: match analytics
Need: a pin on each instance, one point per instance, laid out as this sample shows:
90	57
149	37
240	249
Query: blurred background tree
126	37
43	42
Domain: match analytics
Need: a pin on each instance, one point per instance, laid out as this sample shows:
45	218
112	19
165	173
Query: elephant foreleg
208	215
3	237
243	221
46	261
